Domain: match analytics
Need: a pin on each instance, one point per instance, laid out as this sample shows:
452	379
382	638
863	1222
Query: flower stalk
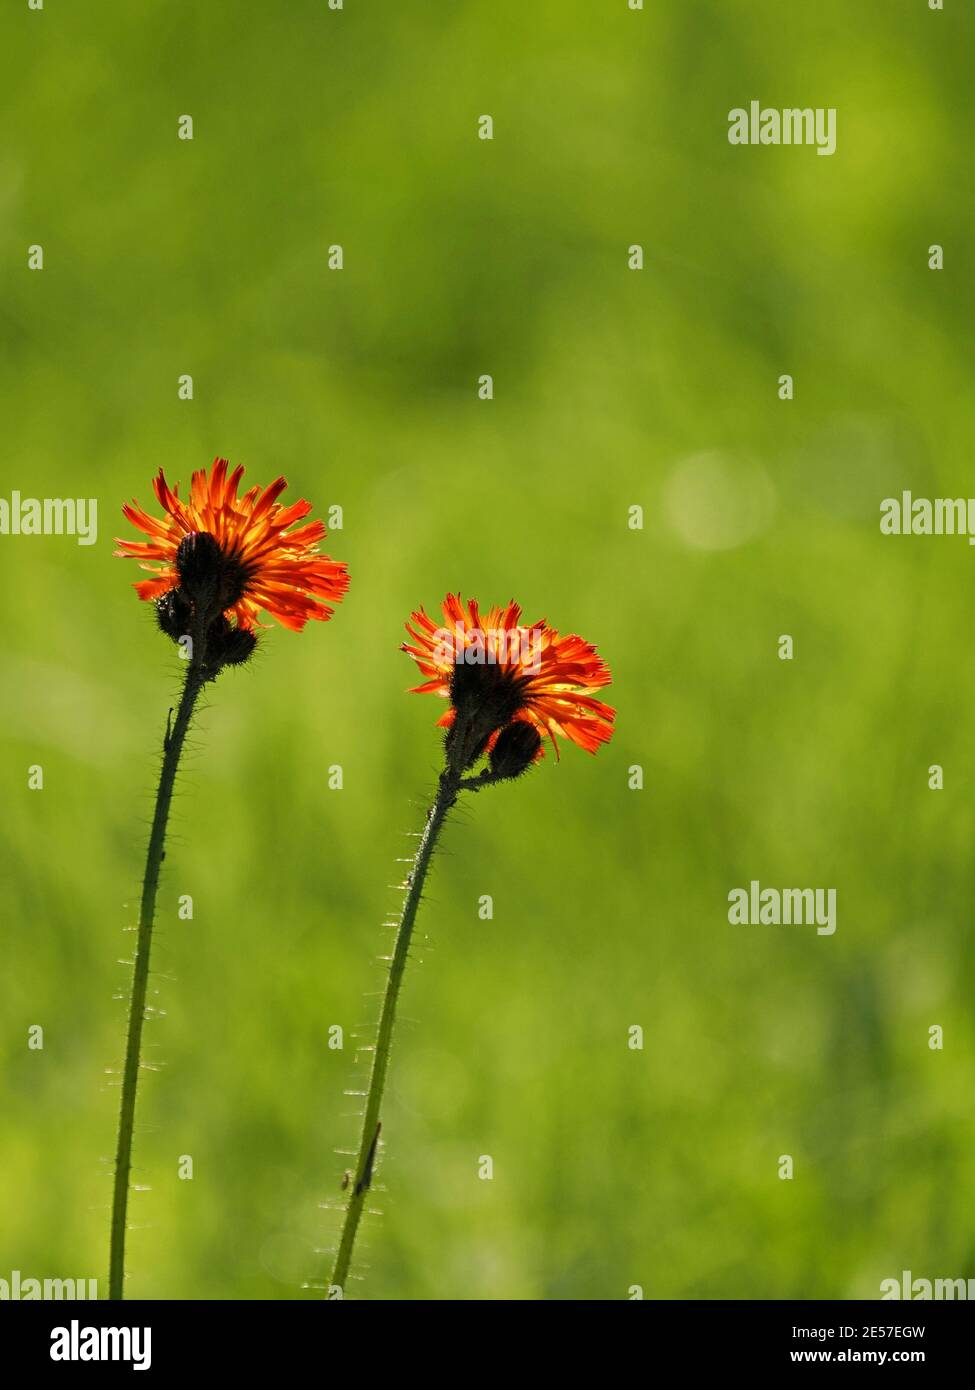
173	740
361	1179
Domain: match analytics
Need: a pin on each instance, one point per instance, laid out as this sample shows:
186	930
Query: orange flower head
497	672
265	562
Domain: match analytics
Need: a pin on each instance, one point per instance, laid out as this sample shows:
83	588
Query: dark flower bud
228	645
210	577
516	749
174	614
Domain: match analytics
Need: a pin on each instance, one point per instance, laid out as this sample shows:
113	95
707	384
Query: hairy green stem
174	738
361	1177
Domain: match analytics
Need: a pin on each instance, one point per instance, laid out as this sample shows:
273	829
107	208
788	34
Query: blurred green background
613	388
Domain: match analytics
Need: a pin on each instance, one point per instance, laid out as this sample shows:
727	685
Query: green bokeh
612	388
